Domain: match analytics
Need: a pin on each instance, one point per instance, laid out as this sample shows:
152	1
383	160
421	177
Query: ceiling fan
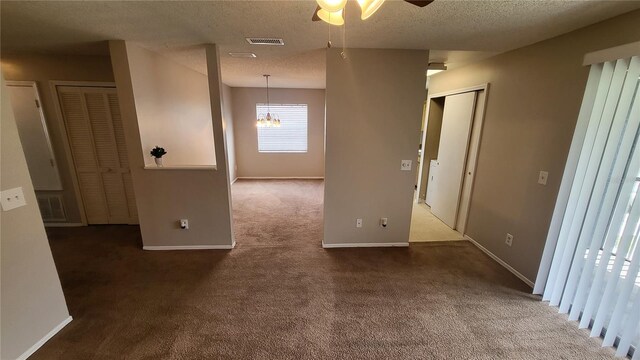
330	11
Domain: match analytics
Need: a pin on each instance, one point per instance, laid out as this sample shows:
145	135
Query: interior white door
34	136
452	153
96	136
470	167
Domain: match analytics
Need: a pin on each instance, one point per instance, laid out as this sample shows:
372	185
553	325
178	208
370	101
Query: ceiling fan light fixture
369	7
333	18
332	5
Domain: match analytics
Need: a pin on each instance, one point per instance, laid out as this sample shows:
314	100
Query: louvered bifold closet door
594	271
121	147
96	136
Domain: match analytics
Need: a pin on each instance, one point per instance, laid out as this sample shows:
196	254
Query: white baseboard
500	261
363	245
46	338
434	241
191	247
280	178
234	180
51	224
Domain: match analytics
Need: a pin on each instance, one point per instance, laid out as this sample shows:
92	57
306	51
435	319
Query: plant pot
158	162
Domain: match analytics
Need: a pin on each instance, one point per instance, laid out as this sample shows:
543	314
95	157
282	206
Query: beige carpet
279	295
426	227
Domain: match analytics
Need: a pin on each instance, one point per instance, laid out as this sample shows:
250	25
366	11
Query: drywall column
229	132
163	197
216	93
33	305
374	102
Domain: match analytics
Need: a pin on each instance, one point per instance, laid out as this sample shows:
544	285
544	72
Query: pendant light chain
344	29
268	102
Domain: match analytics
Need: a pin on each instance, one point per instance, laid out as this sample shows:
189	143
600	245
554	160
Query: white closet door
34	135
470	165
96	136
452	153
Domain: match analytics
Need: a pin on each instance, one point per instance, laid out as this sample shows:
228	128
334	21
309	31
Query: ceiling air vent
265	41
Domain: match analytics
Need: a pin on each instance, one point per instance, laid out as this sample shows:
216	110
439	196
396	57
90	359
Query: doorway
278	187
38	149
451	138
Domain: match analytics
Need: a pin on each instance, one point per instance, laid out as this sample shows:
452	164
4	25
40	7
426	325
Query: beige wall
173	108
42	69
252	163
374	111
533	103
163	197
30	291
229	130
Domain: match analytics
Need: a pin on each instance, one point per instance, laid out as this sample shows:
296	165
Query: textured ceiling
178	28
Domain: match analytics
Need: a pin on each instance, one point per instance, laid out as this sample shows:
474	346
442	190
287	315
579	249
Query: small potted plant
157	152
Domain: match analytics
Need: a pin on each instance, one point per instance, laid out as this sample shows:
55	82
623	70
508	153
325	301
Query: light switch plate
509	239
542	177
12	198
405	165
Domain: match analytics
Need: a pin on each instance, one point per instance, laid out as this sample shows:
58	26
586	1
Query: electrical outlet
184	224
12	198
358	223
509	239
405	165
542	177
384	222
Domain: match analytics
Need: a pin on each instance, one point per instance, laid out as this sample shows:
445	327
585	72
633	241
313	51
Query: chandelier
269	120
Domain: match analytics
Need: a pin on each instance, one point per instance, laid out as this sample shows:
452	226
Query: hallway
426	227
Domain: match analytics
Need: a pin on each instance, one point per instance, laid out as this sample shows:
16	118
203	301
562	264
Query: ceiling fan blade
420	3
315	14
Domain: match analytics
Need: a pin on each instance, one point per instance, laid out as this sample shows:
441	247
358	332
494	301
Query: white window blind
593	274
291	136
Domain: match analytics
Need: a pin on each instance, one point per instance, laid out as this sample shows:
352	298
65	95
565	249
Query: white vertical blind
594	270
291	136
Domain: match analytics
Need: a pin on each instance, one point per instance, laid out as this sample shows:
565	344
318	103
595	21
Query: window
594	274
291	136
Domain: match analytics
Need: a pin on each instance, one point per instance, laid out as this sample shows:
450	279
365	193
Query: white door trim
453	149
53	85
481	87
